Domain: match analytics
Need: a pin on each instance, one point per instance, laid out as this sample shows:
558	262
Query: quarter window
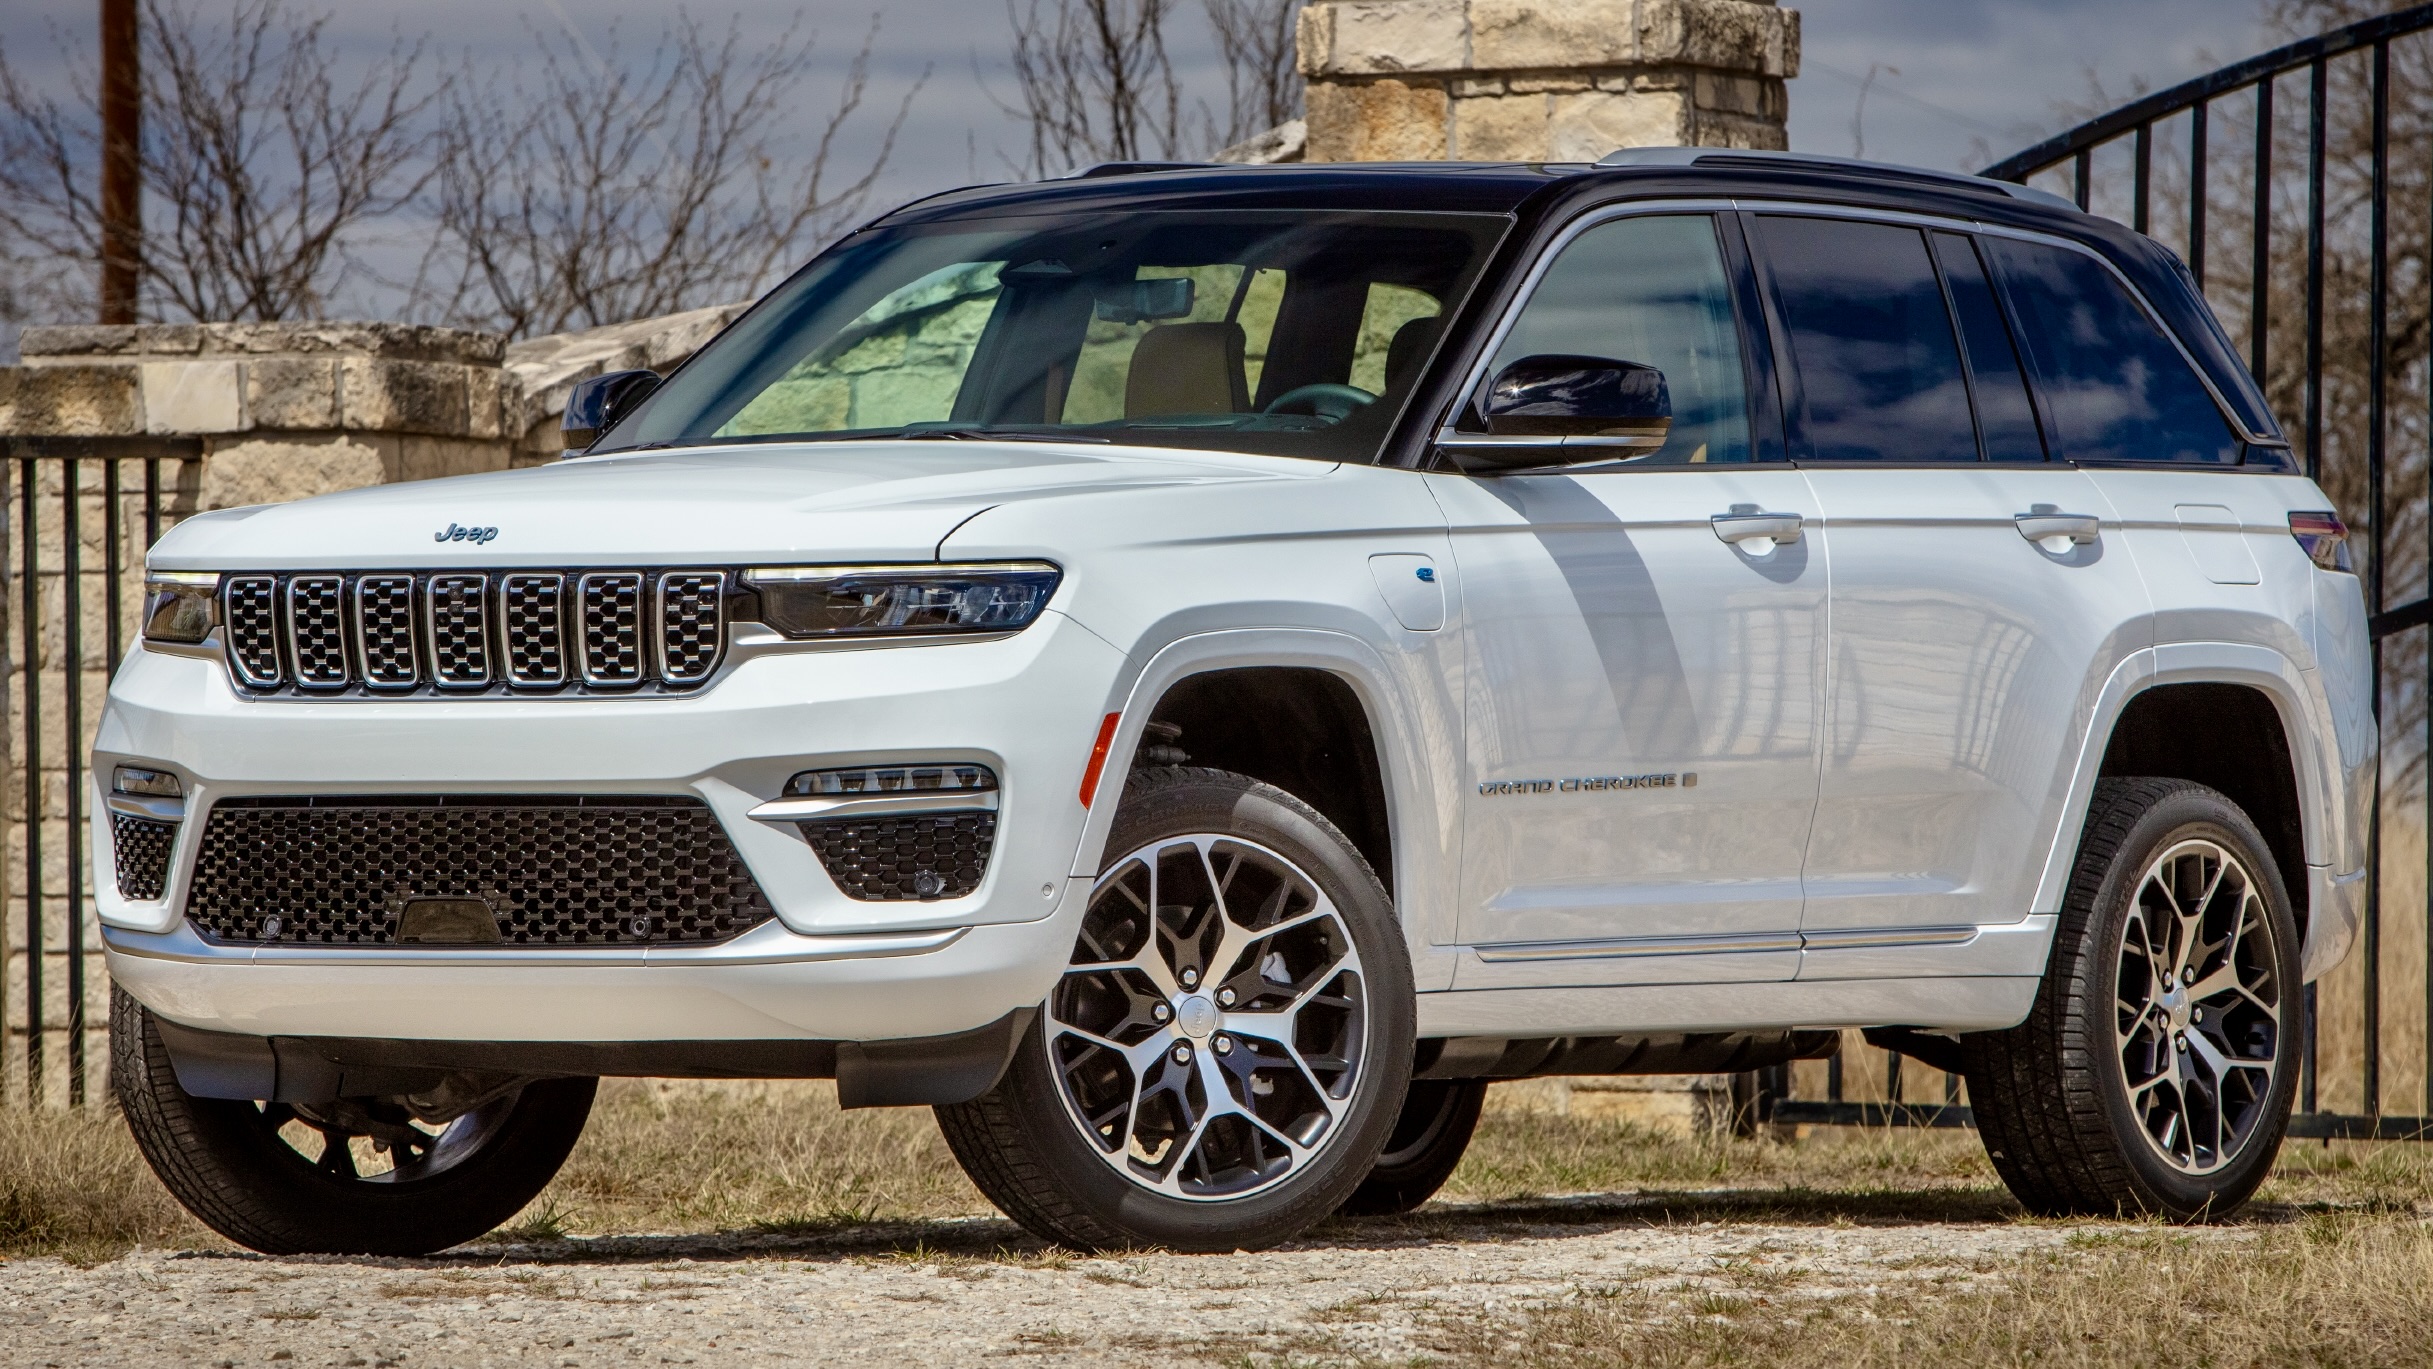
2116	387
1650	290
2006	420
1879	368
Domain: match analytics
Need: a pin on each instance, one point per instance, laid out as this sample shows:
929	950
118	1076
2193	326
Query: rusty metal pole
122	112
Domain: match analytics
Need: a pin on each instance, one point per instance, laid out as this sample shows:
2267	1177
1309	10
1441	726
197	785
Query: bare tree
1093	82
259	166
607	191
1262	80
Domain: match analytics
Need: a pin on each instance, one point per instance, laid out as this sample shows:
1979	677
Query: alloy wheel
379	1140
2198	1005
1212	1027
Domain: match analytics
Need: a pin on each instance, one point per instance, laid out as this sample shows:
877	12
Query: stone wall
1542	80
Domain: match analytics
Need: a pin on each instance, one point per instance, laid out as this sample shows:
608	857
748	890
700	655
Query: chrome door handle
1747	521
2080	528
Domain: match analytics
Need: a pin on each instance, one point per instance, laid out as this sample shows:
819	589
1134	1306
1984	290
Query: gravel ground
944	1294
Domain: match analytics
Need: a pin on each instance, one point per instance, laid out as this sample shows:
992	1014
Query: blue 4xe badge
456	533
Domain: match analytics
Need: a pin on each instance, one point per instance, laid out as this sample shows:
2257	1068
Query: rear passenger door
1979	594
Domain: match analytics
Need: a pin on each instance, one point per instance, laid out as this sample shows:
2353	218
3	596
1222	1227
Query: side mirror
1564	410
597	404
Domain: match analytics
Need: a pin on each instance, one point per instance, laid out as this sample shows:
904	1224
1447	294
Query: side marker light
1098	758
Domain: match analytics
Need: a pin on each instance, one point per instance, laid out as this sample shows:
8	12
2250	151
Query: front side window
2116	387
1879	367
1295	333
1650	290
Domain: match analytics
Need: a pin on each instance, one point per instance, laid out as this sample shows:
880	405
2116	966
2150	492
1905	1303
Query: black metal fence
2298	188
81	512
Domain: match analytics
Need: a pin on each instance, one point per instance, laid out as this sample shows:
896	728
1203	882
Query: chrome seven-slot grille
474	631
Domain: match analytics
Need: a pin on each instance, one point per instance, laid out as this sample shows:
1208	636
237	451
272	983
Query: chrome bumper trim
875	805
770	943
1621	947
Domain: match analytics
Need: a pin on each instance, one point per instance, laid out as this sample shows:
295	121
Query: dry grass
72	1184
2341	1289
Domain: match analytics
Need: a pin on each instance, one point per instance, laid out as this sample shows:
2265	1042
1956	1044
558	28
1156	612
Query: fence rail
82	511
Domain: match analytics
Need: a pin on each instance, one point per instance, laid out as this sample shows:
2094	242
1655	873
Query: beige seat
1187	368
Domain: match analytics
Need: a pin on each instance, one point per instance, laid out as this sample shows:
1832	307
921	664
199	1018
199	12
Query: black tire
1028	1151
1438	1117
2067	1127
226	1161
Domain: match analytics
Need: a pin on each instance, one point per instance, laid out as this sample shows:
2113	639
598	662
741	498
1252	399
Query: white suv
1192	671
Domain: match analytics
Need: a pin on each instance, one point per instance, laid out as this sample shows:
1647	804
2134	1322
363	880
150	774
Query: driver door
1645	673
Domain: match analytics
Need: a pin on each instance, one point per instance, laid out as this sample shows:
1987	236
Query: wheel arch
2141	723
1328	688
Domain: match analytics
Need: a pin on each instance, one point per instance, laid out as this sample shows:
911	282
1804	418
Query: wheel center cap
1196	1016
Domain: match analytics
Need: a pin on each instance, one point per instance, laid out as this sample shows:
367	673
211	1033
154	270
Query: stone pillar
1543	80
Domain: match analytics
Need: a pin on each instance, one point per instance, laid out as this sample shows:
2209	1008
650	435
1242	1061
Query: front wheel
1224	1057
2156	1070
355	1176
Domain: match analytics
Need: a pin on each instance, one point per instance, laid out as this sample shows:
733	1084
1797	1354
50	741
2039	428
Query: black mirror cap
1579	396
596	404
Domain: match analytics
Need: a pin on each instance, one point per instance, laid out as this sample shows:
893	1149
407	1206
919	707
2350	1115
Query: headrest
1409	345
1187	368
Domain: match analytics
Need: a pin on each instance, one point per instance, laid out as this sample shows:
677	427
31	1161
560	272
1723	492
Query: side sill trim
1626	947
769	944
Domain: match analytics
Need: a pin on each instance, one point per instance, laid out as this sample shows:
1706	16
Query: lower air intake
922	856
142	847
553	870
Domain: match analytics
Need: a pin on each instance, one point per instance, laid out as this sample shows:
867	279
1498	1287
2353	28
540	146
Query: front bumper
828	966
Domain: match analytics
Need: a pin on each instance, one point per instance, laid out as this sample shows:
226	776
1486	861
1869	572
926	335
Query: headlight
886	601
180	606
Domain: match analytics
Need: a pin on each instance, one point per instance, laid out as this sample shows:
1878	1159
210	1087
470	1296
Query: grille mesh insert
918	857
612	629
142	849
611	870
384	609
402	632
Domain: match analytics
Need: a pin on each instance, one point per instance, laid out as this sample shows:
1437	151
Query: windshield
1283	332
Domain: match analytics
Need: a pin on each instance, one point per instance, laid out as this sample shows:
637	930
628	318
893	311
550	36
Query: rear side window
2006	420
2115	386
1879	367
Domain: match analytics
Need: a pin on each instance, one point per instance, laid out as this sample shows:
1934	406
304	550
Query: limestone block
391	341
97	340
434	458
484	414
1582	128
1381	37
1731	35
1511	128
381	395
292	392
273	471
1549	84
1477	87
70	401
192	397
1377	121
1736	130
1516	34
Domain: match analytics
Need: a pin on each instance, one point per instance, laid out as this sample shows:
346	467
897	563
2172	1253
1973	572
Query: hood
812	502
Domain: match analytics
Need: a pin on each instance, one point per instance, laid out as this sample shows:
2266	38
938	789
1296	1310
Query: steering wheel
1333	403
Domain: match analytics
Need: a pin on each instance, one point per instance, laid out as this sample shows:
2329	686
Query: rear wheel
357	1176
1227	1052
2156	1071
1438	1117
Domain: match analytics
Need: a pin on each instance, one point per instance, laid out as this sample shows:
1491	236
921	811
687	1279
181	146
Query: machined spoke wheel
1214	1019
2199	1006
1221	1057
380	1140
2157	1065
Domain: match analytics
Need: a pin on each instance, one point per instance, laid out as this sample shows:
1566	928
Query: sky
1956	82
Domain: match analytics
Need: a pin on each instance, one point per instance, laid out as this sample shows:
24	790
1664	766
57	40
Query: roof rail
1754	158
1092	173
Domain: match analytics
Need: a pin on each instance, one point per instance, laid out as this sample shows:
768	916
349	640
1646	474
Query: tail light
2325	539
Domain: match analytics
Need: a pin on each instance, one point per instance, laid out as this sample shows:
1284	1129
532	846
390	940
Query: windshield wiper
980	432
